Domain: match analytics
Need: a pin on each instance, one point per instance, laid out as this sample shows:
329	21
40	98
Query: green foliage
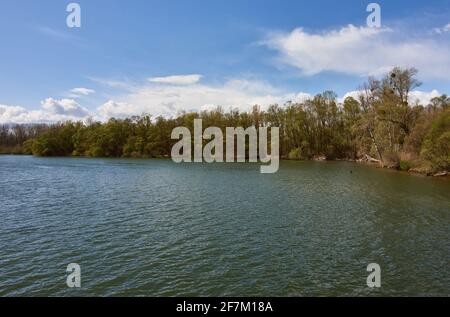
436	146
406	165
295	154
56	141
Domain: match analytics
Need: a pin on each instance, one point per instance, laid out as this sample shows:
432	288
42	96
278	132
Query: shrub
406	165
294	154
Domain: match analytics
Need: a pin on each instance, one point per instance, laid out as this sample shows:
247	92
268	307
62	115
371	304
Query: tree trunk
374	141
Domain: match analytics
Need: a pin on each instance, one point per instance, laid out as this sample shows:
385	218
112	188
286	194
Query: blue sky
123	59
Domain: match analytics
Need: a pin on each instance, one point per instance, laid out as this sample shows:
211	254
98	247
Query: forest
382	125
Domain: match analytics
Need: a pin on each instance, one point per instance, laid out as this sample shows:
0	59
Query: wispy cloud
57	34
177	79
64	35
79	92
444	29
124	84
360	51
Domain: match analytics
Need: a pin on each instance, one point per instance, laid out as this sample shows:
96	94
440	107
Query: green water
155	228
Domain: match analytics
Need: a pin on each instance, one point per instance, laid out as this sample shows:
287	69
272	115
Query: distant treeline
382	124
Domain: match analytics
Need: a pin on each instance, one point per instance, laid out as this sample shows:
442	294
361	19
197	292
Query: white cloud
168	100
444	29
360	51
52	110
78	92
415	97
119	110
9	114
68	107
354	94
423	97
177	79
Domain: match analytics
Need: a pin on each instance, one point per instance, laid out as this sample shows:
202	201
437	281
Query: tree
442	102
436	146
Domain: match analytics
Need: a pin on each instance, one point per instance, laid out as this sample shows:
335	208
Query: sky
162	57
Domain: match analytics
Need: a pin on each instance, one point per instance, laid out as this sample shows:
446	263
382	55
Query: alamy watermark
374	18
74	278
235	151
73	19
374	278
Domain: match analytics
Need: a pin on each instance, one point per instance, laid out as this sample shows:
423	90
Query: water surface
156	228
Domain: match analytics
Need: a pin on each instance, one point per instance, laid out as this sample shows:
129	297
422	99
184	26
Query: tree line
382	124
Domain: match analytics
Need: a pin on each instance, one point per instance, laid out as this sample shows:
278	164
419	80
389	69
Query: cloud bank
52	110
169	99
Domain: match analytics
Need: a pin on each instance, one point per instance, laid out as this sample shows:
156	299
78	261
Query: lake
156	228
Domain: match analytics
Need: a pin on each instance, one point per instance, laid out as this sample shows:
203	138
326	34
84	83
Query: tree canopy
382	123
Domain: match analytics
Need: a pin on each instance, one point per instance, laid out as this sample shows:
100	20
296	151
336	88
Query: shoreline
412	171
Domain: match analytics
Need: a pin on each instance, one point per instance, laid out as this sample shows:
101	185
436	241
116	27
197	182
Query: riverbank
14	150
367	160
402	166
418	171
